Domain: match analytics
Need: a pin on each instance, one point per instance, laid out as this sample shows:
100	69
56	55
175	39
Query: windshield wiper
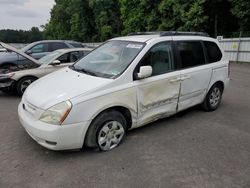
72	67
85	71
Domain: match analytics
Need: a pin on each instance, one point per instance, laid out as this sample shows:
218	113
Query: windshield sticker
137	46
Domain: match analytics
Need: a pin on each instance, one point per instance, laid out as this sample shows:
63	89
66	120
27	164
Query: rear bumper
226	83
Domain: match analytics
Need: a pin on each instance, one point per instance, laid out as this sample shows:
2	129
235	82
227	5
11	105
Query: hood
60	86
7	56
12	49
11	55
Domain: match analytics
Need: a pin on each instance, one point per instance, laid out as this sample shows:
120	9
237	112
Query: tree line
21	36
99	20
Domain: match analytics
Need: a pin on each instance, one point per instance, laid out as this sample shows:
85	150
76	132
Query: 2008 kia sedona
125	83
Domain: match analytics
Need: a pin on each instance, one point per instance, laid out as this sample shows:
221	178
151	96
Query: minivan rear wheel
107	131
213	98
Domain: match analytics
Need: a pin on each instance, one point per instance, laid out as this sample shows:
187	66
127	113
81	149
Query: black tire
23	83
213	98
96	129
7	90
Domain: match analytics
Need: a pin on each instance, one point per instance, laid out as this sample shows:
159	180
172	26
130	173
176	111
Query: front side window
213	52
191	53
69	57
110	59
65	58
40	48
160	58
50	57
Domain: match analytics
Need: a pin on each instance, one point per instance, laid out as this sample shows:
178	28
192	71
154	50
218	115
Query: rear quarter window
76	45
191	53
57	45
213	51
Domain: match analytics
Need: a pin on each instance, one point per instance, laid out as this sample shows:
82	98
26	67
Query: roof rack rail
145	33
171	33
183	33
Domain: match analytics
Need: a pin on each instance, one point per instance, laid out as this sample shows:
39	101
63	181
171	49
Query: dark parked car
20	77
36	50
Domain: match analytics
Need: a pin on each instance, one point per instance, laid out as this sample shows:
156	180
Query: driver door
157	96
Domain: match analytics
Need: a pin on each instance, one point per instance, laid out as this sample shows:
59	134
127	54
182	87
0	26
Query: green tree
71	19
107	18
98	20
220	19
59	24
34	35
182	15
20	36
139	15
241	10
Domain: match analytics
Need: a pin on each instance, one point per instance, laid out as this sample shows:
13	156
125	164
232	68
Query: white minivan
125	83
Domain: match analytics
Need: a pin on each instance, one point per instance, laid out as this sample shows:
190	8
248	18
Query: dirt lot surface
195	149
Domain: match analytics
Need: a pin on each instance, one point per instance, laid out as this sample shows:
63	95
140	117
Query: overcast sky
24	14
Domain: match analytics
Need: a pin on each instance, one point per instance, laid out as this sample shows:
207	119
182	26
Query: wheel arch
26	76
218	82
17	83
120	108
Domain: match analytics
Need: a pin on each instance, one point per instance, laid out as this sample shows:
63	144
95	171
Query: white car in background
19	78
125	83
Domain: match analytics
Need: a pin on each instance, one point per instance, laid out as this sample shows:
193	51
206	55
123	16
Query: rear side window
74	56
77	45
213	52
40	48
57	45
70	57
191	53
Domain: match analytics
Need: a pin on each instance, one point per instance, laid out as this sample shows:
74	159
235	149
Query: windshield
110	59
27	47
50	57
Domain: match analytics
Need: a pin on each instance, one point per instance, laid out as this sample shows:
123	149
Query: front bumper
6	82
54	137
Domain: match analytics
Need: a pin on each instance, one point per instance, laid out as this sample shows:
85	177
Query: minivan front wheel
107	130
110	135
213	98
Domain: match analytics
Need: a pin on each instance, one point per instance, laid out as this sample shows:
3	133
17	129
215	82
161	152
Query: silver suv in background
35	50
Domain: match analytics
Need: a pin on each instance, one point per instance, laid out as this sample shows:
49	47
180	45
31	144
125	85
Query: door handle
185	77
174	80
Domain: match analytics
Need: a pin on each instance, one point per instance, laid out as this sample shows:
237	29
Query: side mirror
55	62
145	72
28	52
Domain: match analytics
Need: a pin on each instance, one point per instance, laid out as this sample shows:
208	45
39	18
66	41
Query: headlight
57	113
6	76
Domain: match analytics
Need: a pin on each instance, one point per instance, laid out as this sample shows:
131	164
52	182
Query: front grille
31	109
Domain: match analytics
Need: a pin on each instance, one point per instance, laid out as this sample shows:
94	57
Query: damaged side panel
89	109
157	97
